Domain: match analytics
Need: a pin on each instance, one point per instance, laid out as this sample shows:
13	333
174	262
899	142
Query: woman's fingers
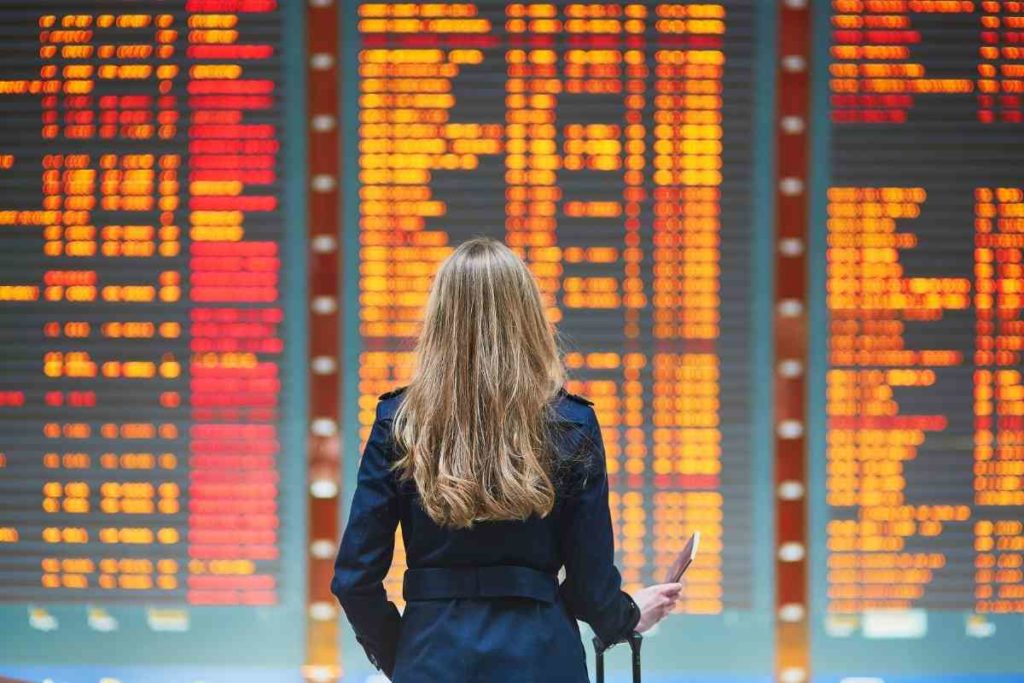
669	588
657	602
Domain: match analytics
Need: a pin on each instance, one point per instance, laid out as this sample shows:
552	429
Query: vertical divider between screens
324	439
296	261
790	335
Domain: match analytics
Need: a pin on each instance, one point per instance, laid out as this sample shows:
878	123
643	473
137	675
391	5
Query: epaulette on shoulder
578	399
392	393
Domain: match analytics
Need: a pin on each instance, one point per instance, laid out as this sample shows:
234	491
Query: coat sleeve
592	589
367	547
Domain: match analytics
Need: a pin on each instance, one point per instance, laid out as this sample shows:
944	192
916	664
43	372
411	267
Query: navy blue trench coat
485	603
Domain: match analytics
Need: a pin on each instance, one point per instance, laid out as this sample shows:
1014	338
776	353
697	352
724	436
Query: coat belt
438	583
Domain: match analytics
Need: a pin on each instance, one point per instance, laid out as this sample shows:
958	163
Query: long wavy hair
472	428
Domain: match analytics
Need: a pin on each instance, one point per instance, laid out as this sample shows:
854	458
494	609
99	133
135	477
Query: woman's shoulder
575	398
391	394
578	452
569	407
388	402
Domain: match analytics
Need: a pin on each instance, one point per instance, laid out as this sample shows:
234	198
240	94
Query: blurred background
782	240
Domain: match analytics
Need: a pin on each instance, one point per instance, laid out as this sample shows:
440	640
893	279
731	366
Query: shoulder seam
579	399
392	393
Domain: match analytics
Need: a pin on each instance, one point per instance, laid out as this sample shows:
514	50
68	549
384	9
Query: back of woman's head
472	426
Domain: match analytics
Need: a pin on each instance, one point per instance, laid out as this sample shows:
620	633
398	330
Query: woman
497	477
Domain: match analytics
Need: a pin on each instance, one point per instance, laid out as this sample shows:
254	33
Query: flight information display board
144	378
612	145
920	236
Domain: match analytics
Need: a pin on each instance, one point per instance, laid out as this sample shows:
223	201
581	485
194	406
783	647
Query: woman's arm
592	589
367	547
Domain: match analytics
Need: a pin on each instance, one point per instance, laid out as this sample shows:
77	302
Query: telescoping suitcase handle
635	641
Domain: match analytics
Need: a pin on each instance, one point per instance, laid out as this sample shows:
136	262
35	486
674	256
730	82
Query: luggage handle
635	641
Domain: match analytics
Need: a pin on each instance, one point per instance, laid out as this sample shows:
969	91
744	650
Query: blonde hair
472	426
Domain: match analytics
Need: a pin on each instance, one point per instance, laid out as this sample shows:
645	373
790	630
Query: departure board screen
143	357
920	235
612	146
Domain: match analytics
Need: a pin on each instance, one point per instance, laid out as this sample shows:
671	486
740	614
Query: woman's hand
655	602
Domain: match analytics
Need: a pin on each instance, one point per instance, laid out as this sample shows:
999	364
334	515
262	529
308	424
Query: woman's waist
490	581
